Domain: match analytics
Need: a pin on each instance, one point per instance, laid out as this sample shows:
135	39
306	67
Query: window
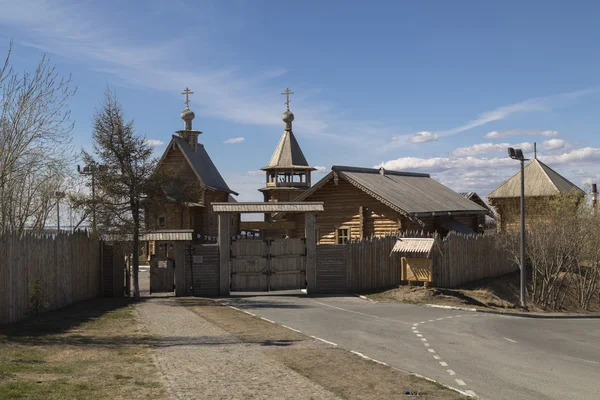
162	221
343	235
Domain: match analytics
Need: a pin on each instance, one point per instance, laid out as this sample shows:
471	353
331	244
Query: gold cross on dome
187	92
287	97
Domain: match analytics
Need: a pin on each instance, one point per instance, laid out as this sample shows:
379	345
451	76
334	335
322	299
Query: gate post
180	283
311	252
224	245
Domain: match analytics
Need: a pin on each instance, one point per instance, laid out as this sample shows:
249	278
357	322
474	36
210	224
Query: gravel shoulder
207	350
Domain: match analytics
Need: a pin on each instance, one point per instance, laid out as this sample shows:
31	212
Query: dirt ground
501	294
338	371
91	350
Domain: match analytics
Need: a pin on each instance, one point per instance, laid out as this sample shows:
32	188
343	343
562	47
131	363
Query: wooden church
360	202
194	221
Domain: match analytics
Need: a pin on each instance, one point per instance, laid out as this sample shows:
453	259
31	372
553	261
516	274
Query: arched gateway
271	264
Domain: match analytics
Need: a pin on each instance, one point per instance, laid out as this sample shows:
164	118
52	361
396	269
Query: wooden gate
258	265
162	275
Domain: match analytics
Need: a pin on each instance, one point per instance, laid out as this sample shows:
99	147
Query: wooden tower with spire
288	172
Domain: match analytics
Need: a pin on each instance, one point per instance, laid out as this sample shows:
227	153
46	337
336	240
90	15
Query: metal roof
415	247
260	207
540	180
288	154
202	165
409	193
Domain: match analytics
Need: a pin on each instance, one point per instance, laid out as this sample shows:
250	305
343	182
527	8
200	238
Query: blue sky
431	86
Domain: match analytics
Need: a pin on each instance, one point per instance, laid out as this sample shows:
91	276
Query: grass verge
91	350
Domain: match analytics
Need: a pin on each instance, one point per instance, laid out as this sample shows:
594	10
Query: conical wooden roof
287	154
540	181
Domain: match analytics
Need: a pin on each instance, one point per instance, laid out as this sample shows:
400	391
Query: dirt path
199	360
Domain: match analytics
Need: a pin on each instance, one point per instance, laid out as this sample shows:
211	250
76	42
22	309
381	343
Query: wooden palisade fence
68	266
467	258
463	258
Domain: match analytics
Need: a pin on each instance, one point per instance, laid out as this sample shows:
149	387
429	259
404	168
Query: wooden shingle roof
287	154
409	193
540	181
201	163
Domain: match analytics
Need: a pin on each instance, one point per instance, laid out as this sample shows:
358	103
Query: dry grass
339	371
500	294
92	350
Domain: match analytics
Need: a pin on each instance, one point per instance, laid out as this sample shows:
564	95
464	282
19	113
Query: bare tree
128	188
563	258
35	134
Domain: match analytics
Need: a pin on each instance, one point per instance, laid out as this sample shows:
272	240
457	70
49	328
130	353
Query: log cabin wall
347	207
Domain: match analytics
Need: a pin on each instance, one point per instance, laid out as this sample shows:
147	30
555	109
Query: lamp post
91	171
517	154
59	195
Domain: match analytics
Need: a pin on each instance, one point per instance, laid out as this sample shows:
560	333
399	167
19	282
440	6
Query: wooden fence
68	266
467	258
464	258
370	266
332	271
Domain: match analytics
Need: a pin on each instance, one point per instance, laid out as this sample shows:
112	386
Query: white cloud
536	104
256	173
234	140
514	132
319	169
484	174
586	155
486	148
553	144
423	136
154	142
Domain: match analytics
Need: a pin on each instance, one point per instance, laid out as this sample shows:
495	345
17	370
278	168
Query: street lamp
91	170
517	154
58	195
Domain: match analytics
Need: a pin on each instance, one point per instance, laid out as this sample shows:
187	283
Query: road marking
426	344
460	382
581	359
443	364
419	335
367	358
268	320
422	322
451	372
291	329
431	350
430	320
415	327
510	340
417	332
437	357
423	339
323	340
471	393
244	311
439	319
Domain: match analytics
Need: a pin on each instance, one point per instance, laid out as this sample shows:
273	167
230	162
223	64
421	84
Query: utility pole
517	154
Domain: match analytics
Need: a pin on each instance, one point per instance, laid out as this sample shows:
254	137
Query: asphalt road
492	356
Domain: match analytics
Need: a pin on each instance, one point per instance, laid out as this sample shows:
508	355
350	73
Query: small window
162	221
343	235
